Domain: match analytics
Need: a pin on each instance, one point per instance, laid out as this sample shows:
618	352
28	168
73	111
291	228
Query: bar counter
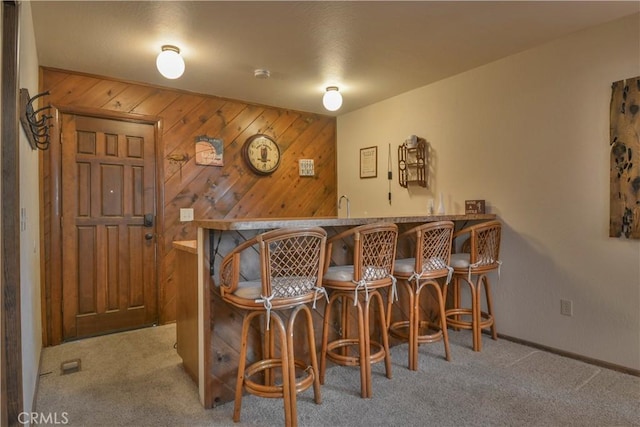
218	325
271	223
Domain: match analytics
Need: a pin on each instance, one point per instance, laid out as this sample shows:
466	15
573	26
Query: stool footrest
275	390
486	319
346	360
400	330
397	330
426	338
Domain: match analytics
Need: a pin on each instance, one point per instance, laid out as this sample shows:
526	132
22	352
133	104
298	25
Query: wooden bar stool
291	262
472	268
430	263
357	288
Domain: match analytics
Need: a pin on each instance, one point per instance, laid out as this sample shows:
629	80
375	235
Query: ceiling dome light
169	62
261	73
332	100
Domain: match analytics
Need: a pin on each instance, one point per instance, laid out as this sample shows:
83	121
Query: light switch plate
306	167
186	214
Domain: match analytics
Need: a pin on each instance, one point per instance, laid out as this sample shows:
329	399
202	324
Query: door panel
108	260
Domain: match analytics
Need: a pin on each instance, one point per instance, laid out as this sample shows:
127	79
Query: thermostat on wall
306	167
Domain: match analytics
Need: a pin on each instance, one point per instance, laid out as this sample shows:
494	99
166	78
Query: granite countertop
269	223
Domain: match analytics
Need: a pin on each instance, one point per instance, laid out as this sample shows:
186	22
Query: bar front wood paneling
219	324
186	305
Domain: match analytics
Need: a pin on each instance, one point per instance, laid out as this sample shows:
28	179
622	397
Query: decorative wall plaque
625	159
209	151
474	207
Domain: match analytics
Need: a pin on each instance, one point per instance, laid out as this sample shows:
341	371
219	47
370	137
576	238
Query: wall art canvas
625	159
209	151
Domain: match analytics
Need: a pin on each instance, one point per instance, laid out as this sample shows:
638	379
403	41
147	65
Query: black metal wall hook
35	122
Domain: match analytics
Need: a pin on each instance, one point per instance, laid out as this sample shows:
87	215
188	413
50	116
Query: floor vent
70	366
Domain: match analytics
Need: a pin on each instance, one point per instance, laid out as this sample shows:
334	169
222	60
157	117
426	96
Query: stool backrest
433	247
291	261
373	250
485	243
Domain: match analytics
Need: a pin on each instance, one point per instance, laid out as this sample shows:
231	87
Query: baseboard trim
581	358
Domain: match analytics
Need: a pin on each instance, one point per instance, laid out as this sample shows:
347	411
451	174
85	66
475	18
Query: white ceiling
371	50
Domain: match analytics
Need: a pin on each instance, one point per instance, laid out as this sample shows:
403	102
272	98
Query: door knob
148	236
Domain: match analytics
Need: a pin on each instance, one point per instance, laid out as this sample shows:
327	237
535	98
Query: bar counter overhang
213	328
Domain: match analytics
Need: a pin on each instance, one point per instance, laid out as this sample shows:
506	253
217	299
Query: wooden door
108	226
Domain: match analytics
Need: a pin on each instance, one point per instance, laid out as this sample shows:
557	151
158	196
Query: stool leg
313	356
414	322
456	297
445	294
364	349
475	316
389	309
385	337
344	321
290	367
404	286
285	350
325	336
268	350
246	322
487	290
443	320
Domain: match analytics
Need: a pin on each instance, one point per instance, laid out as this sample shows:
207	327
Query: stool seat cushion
404	265
344	273
460	260
339	273
407	265
249	290
283	287
292	286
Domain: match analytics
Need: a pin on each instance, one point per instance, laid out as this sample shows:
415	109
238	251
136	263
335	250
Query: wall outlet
566	307
186	214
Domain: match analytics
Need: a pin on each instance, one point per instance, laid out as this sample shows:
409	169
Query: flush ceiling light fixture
169	62
332	100
261	73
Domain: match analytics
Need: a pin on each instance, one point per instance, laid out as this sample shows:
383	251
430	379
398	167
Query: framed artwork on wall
624	145
369	162
209	151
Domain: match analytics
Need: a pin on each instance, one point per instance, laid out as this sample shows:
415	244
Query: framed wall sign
209	151
369	162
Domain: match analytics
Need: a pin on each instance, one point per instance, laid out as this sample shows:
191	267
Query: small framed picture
209	151
369	162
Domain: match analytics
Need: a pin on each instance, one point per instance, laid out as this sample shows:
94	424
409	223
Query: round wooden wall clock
262	154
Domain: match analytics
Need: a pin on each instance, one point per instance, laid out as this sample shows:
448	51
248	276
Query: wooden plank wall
231	191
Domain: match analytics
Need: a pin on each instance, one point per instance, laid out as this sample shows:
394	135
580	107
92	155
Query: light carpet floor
136	378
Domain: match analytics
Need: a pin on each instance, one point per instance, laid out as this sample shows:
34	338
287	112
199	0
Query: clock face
262	154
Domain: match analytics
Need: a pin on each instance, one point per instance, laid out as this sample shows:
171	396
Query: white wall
30	231
530	134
